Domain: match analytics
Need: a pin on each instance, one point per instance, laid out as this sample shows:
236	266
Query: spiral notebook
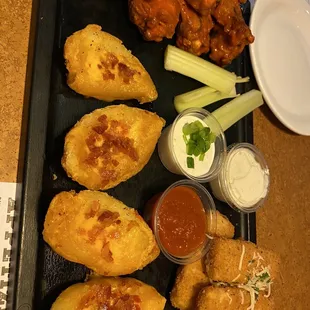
7	212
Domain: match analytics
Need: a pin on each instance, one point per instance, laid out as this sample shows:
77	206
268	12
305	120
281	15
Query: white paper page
7	207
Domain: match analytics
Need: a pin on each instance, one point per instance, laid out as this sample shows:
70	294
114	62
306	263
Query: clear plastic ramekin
152	218
222	189
168	155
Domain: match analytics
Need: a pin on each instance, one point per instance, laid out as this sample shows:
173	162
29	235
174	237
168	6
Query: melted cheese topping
230	299
241	258
210	237
269	291
236	278
242	297
259	280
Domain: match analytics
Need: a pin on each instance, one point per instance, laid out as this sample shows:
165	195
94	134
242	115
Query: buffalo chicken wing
203	7
204	25
156	19
193	33
231	33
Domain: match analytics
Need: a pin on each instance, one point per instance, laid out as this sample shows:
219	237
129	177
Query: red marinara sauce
181	221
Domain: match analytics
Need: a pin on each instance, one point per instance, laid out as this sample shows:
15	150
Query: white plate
281	59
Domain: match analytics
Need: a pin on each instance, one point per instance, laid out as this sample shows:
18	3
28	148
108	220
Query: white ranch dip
248	182
244	179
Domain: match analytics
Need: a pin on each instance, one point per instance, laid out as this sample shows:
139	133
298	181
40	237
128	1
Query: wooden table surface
283	225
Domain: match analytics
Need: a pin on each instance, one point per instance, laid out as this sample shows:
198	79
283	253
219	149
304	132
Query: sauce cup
243	182
172	147
181	231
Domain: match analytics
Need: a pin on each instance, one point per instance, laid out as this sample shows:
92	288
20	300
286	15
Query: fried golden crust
110	145
191	278
223	259
189	281
110	293
229	298
100	66
100	232
224	228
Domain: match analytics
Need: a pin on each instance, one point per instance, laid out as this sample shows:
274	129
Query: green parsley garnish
264	276
190	162
198	140
185	139
212	137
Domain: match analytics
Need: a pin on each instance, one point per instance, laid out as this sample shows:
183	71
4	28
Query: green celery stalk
233	111
200	98
201	70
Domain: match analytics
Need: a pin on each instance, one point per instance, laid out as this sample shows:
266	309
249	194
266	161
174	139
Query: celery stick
233	111
200	98
199	69
242	80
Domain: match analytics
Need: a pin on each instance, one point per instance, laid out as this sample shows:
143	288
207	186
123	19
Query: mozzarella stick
236	261
224	228
230	298
189	281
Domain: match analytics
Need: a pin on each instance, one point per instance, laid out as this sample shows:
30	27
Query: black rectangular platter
38	275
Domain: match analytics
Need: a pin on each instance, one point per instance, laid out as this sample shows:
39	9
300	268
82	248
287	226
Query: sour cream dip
244	179
172	147
179	146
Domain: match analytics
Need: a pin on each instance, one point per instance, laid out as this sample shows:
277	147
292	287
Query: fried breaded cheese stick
189	281
191	278
224	228
236	261
229	298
